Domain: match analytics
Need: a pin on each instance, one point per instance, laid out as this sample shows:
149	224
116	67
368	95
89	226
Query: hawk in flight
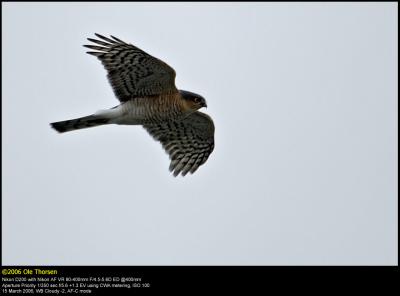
145	86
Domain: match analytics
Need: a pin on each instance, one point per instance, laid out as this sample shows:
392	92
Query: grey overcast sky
304	171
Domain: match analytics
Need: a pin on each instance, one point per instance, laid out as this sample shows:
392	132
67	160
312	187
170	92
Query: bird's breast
152	109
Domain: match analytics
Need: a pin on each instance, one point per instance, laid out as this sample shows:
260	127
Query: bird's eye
197	100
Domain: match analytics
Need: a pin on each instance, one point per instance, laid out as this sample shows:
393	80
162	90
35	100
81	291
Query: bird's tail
79	123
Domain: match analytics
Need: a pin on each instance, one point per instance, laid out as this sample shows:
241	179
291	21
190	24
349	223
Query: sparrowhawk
145	87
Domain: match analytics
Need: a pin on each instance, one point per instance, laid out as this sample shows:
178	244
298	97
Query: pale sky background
304	171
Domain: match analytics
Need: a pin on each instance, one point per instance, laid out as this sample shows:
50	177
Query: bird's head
193	101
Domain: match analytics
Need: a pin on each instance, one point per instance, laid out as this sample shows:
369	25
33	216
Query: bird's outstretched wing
189	142
131	71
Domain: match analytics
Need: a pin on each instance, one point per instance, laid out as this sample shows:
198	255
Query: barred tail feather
79	123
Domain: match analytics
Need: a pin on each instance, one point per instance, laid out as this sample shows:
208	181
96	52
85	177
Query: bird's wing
189	142
131	71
